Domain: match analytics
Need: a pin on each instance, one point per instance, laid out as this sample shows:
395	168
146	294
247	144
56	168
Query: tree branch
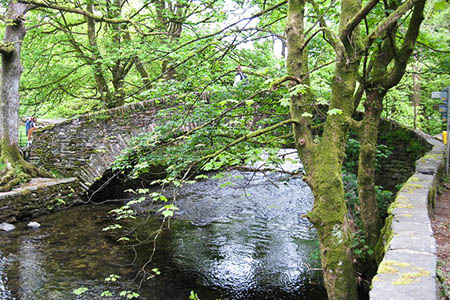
387	23
74	10
401	60
358	18
241	139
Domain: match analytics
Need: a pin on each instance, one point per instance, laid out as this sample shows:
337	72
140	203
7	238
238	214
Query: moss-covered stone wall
407	146
407	249
38	197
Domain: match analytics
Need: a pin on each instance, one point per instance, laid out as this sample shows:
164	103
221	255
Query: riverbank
441	227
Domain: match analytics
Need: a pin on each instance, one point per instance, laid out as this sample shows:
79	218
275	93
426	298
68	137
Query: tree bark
11	72
323	161
17	169
376	87
366	167
102	85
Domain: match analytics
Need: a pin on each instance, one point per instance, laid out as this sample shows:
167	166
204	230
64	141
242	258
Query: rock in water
33	225
7	227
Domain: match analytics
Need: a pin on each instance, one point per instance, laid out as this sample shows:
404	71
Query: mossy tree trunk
323	160
368	135
379	80
17	169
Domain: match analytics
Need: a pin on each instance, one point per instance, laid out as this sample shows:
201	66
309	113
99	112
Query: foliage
74	64
352	152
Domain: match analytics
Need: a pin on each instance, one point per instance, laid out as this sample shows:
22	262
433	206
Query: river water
231	239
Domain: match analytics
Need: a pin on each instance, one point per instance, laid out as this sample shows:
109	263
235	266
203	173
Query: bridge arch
86	146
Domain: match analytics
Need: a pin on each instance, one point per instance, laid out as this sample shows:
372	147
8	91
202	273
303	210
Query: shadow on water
239	241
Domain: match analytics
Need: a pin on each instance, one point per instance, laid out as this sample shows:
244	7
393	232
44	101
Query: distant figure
240	76
30	126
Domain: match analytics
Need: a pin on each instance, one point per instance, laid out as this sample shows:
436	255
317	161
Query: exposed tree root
17	169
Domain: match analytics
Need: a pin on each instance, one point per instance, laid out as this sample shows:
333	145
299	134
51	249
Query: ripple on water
245	241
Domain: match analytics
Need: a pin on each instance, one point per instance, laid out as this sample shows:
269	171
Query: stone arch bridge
86	146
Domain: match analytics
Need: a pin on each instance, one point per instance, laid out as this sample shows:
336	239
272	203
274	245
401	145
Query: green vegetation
342	57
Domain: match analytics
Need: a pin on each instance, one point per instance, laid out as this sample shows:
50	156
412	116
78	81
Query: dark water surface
242	241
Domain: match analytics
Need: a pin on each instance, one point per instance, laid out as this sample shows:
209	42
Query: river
232	238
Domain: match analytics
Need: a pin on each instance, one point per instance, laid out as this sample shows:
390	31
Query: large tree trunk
323	161
11	72
17	169
329	214
102	85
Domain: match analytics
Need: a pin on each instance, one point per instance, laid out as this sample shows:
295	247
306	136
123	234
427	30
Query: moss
386	235
410	187
401	201
405	215
407	278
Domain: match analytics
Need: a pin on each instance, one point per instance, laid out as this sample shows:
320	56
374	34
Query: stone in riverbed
33	225
7	227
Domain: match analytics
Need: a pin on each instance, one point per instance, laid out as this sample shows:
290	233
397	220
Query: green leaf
106	294
112	278
334	111
201	176
79	291
440	5
167	213
285	101
112	227
307	115
156	271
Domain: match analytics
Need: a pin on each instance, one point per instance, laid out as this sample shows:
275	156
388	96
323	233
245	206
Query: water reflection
245	241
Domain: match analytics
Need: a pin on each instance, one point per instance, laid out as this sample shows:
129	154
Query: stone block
405	275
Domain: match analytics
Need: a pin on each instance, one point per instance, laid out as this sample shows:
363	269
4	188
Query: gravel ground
441	228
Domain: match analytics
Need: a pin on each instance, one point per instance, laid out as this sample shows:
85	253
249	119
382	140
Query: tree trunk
11	72
323	161
105	95
17	169
368	136
415	97
381	79
329	214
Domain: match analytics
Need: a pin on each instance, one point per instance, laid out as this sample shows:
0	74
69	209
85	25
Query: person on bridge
30	126
240	77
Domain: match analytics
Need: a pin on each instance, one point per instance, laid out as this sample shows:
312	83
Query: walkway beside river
441	228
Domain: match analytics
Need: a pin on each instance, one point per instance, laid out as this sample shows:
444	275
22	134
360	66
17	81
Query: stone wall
86	146
407	146
38	197
407	249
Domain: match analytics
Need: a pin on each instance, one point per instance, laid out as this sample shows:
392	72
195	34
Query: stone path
441	228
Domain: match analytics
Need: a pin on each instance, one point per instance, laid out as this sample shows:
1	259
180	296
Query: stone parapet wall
86	146
38	197
408	249
407	146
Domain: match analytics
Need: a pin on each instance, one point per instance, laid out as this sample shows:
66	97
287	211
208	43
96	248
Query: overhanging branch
74	10
358	18
387	23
